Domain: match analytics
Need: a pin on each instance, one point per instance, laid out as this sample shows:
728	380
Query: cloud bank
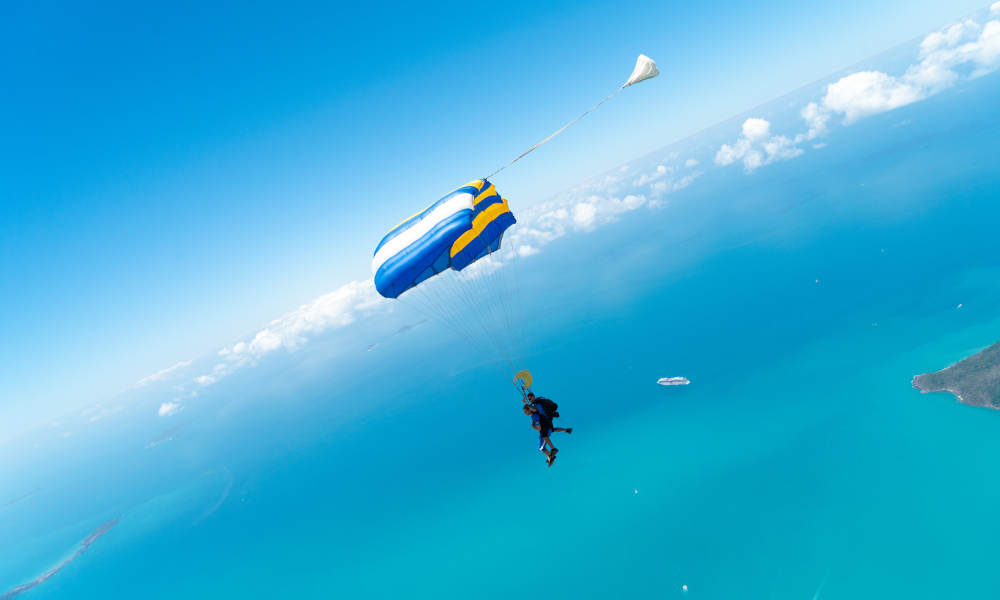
965	50
334	310
962	51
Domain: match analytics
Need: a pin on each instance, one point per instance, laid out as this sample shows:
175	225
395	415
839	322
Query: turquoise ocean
799	299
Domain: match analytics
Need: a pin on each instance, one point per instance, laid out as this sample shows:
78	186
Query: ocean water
800	300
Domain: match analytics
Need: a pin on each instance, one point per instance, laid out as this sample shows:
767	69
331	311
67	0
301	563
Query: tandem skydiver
542	411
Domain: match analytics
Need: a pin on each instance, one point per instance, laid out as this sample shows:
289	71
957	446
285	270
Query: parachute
453	232
522	379
444	259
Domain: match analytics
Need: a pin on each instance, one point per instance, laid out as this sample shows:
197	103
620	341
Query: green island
974	380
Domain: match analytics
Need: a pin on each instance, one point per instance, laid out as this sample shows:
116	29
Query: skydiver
541	421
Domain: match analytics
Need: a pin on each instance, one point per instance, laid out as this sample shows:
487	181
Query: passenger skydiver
542	411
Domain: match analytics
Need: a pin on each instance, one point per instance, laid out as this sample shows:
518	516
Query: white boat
673	381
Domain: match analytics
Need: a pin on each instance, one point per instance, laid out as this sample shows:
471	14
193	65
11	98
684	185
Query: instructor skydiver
542	411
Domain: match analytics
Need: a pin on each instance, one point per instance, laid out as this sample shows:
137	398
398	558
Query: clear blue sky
172	176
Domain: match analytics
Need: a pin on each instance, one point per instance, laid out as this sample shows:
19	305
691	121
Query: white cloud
985	53
728	154
632	202
582	208
584	215
161	375
757	147
817	118
691	163
755	129
949	37
526	250
204	380
780	148
169	408
867	93
995	8
599	210
657	173
965	49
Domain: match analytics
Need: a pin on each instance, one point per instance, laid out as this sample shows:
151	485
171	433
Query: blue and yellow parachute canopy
453	232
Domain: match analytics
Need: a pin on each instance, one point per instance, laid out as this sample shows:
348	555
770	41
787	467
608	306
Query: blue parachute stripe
484	204
481	245
442	263
405	269
493	247
466	189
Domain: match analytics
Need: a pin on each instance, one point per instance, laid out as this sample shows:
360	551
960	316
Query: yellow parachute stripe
479	224
484	194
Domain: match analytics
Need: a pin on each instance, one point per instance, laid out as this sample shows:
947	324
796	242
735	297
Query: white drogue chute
645	68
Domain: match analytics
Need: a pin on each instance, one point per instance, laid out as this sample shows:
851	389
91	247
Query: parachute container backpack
445	260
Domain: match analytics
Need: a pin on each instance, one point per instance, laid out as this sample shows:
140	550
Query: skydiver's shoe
552	459
554	452
569	430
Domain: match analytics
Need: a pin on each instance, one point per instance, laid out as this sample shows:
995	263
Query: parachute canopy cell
453	232
645	68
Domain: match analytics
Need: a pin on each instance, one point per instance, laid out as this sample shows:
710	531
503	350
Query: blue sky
175	176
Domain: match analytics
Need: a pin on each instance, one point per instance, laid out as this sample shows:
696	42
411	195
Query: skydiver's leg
552	449
566	429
